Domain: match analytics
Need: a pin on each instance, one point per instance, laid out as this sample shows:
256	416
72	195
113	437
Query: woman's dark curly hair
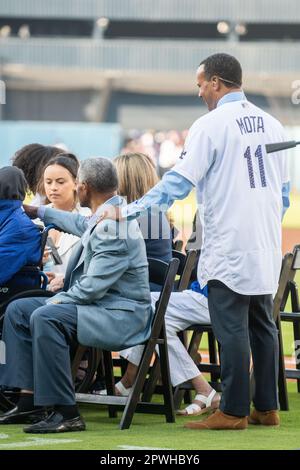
32	159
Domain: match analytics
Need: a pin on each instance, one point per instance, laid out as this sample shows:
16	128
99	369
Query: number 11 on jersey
258	154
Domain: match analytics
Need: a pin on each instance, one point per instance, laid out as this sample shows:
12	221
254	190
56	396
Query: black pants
240	322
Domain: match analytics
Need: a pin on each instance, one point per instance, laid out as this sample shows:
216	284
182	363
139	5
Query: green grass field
151	431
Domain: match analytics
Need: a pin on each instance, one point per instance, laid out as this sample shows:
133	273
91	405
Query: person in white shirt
244	192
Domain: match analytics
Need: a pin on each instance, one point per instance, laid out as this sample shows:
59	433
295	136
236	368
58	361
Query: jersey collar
233	96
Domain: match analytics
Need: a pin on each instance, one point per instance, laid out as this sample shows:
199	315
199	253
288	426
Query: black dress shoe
56	423
15	416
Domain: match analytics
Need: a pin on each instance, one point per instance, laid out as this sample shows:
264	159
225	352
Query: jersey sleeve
173	186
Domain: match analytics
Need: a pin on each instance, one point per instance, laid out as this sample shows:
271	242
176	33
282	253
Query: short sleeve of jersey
197	155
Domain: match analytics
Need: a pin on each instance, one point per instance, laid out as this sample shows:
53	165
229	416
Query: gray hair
99	173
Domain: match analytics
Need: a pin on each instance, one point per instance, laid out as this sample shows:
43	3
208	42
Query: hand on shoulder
110	212
31	211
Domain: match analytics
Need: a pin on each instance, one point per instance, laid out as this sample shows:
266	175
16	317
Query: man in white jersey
244	192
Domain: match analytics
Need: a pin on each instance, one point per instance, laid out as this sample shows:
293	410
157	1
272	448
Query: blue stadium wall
84	139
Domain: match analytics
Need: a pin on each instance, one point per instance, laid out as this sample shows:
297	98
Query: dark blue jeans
37	339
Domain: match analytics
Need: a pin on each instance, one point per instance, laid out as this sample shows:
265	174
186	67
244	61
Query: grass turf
151	431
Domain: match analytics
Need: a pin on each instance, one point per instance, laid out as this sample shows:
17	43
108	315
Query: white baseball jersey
241	189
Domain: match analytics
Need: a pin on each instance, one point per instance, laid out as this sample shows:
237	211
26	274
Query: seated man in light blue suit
105	303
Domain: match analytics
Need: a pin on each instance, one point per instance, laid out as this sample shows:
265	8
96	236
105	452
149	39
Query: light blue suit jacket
108	282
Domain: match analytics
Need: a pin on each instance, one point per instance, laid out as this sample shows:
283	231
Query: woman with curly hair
32	159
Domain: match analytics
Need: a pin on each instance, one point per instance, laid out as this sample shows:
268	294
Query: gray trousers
240	322
37	339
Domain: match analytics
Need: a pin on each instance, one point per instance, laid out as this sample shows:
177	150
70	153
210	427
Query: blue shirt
20	240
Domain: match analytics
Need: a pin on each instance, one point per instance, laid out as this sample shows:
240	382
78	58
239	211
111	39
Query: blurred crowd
164	147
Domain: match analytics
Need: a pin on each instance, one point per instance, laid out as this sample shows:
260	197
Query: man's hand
110	212
50	276
31	211
57	283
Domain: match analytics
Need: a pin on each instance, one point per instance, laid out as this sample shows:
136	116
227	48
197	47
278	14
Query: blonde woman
136	175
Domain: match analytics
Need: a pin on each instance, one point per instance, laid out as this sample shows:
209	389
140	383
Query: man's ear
216	83
86	188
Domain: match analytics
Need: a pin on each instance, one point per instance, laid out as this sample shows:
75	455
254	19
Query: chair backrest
182	260
293	285
290	264
177	245
195	240
296	258
157	270
187	264
45	234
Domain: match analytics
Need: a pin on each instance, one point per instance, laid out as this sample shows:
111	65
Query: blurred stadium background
99	76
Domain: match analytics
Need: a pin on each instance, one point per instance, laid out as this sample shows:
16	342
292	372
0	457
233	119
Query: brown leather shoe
219	420
266	418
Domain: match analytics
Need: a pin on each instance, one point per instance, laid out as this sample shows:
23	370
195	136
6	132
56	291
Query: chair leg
152	381
166	380
213	356
123	366
76	360
296	328
137	386
187	396
282	387
109	380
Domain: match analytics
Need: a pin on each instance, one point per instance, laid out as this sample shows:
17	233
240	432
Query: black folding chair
165	273
290	267
185	267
